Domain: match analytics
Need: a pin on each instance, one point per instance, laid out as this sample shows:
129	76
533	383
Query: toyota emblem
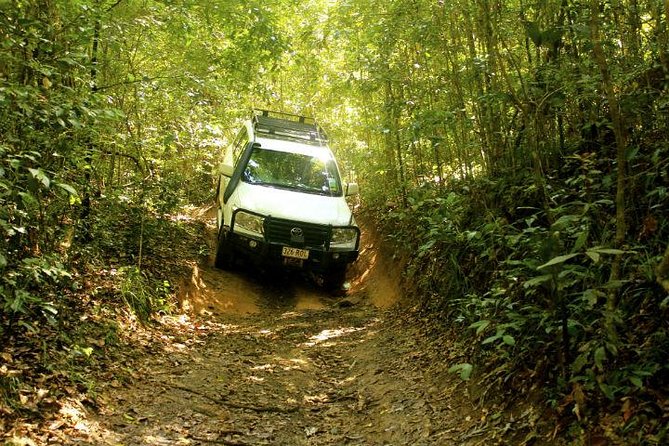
297	233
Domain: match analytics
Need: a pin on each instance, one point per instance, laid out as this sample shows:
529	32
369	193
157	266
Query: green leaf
608	251
565	221
491	339
465	370
20	298
3	261
427	246
581	240
614	284
581	361
39	175
537	281
591	296
665	303
86	351
27	198
637	381
557	260
607	390
49	308
594	255
480	326
66	187
508	340
600	357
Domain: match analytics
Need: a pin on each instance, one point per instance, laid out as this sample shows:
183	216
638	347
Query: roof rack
279	125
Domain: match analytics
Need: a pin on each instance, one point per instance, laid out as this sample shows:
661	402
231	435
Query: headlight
344	238
248	224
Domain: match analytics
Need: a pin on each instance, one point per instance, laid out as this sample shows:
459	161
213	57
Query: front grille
279	231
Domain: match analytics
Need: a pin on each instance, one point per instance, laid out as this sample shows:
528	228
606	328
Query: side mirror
352	189
226	170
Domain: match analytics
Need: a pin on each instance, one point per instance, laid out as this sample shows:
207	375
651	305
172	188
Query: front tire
225	256
334	280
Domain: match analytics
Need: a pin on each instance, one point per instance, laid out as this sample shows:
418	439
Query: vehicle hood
291	205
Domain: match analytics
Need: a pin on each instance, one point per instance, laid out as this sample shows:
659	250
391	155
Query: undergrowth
61	315
525	273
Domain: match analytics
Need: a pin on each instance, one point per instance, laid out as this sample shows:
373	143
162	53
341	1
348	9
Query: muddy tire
225	256
334	280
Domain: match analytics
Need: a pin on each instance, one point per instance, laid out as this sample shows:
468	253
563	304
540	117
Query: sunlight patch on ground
316	399
190	213
282	364
268	367
288	364
181	217
184	323
327	335
160	441
75	415
290	328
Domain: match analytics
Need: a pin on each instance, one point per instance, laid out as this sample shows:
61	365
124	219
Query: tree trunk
621	144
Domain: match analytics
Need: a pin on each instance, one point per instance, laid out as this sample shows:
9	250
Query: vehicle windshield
294	171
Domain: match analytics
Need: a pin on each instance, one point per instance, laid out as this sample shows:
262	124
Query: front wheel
225	256
334	280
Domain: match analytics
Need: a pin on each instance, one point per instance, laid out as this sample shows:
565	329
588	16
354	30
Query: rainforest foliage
515	149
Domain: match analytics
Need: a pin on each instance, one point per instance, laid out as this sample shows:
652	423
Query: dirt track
278	361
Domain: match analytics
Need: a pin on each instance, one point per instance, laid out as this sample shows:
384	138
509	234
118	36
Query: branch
125	155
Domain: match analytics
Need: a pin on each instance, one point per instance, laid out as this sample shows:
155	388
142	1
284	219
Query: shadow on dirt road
214	292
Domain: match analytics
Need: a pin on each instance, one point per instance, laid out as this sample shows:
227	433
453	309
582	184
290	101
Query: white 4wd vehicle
280	200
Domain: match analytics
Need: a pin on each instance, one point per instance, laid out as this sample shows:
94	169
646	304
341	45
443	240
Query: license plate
295	253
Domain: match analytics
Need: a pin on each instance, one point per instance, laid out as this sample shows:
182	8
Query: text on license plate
295	253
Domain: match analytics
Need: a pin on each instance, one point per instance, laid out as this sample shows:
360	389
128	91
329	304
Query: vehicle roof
286	126
282	145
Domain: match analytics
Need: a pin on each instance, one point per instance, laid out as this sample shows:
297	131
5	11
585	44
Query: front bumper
268	249
260	252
